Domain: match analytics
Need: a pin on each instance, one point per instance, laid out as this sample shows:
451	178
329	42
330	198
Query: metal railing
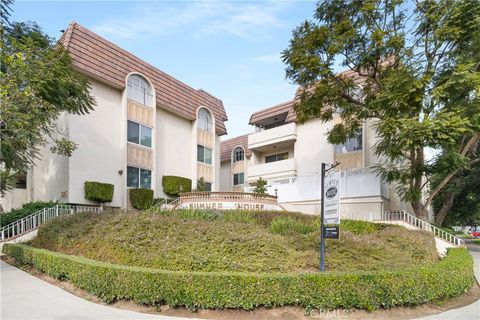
422	225
164	204
33	221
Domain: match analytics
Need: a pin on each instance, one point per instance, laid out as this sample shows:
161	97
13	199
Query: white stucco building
146	124
289	156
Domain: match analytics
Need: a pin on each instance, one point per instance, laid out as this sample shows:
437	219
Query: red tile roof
98	58
227	147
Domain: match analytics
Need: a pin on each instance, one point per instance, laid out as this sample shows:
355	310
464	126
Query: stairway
30	223
409	221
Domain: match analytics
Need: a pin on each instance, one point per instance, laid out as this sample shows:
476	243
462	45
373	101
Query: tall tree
37	84
459	201
413	70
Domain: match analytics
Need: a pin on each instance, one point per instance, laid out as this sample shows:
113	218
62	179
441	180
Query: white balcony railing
282	168
281	134
355	183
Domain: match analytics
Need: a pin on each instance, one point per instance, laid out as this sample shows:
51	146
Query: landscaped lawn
233	241
476	241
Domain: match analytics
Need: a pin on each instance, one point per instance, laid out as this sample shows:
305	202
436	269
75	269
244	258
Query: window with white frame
238	178
205	120
139	178
204	154
139	134
139	90
352	144
276	157
238	154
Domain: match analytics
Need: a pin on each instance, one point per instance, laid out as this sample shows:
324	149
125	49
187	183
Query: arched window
205	120
238	154
139	90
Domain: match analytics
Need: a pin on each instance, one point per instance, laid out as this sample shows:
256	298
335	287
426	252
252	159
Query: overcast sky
230	49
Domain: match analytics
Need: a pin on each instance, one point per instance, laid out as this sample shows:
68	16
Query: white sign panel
227	205
332	197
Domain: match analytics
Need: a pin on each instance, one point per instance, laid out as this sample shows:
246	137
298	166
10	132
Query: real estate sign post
330	208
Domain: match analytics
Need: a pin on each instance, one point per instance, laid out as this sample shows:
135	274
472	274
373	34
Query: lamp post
276	192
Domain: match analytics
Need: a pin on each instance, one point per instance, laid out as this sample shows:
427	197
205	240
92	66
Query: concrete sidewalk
24	296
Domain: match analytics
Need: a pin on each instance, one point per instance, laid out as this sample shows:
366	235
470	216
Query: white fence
423	225
354	183
33	221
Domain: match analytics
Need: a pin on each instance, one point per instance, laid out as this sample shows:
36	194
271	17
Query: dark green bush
141	199
26	210
98	191
171	185
367	290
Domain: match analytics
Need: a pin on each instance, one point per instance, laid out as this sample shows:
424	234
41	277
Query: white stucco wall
312	147
225	183
217	164
13	199
174	146
47	180
101	136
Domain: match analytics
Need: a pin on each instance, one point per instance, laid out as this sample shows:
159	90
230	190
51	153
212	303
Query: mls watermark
325	314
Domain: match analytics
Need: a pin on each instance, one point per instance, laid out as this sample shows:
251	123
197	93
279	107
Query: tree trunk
446	206
419	210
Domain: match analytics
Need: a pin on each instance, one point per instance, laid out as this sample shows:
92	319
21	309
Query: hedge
367	290
26	210
141	199
98	191
171	185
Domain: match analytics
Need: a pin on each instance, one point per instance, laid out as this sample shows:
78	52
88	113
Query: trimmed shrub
171	185
141	199
366	290
98	191
26	210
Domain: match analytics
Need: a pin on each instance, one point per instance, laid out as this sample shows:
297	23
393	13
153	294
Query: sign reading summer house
332	197
227	205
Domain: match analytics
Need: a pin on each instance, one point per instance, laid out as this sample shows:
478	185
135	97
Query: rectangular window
146	136
21	182
139	134
208	186
139	178
132	177
133	132
276	157
145	178
238	178
352	144
204	154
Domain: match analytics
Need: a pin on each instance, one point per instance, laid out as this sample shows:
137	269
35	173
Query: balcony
355	183
283	168
283	136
